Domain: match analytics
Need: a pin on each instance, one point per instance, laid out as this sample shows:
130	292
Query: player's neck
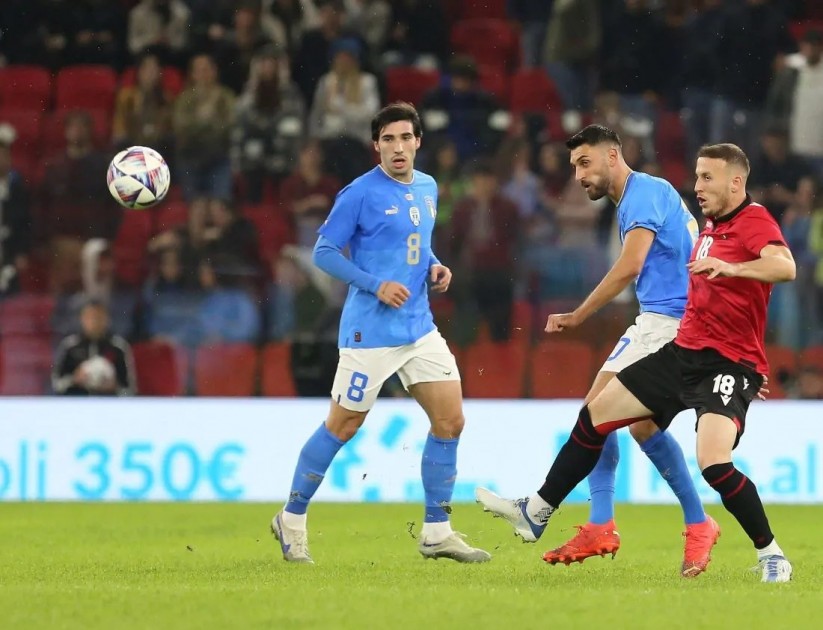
734	203
618	186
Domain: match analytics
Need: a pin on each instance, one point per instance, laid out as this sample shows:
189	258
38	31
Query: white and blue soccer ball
138	177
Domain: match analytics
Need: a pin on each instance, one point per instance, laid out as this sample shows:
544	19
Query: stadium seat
494	370
85	87
26	314
533	91
27	362
161	368
561	369
782	367
172	79
276	378
169	215
225	370
799	28
483	9
27	125
129	247
272	229
54	130
409	83
25	87
670	137
812	357
488	41
495	81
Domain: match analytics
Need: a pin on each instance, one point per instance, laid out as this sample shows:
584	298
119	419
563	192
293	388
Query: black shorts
674	379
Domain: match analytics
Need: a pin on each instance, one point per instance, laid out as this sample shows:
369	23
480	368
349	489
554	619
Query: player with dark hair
713	366
385	218
658	233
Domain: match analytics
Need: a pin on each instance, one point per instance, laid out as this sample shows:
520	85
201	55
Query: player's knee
711	455
643	430
343	424
448	427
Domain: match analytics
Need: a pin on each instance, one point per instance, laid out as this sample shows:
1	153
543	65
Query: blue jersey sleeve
643	210
328	257
341	224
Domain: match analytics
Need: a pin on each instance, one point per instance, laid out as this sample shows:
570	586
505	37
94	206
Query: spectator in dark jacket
94	362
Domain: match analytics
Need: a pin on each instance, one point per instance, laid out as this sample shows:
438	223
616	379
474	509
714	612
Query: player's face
713	186
397	146
95	321
591	169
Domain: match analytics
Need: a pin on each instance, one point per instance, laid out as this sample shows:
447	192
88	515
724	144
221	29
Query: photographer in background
94	362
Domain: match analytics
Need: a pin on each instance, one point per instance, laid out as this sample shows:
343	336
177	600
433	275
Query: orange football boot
590	540
700	538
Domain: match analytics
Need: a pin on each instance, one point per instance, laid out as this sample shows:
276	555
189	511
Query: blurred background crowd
262	109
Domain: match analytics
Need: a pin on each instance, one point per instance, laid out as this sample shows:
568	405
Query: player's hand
764	389
393	294
561	321
441	277
712	268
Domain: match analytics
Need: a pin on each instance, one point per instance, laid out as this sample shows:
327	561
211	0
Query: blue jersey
387	226
653	203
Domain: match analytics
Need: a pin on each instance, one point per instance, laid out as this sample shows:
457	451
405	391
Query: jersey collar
728	217
394	179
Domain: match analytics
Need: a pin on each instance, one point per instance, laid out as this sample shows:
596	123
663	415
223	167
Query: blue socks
667	457
601	482
315	458
439	471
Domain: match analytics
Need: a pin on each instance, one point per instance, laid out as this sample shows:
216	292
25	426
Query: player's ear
376	146
417	140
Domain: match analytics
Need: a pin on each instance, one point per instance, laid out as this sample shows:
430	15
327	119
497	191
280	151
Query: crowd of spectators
262	109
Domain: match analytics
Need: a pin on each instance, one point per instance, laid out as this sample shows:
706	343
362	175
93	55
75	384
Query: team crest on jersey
414	213
430	205
709	225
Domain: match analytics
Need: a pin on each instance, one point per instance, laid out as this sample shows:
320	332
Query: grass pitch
216	566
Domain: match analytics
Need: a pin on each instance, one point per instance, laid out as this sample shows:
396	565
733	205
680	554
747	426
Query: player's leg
613	408
644	389
716	437
360	374
599	536
432	378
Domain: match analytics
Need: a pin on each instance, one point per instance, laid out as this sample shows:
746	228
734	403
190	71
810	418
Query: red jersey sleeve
760	229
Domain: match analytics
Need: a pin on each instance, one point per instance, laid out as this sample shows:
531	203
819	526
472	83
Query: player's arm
441	276
775	264
625	269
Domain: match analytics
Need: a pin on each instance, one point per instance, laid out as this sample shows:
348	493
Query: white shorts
361	372
649	333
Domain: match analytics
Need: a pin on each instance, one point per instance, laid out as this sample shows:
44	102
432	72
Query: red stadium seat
225	370
483	9
495	81
161	368
129	247
494	370
532	90
812	357
27	362
172	79
561	369
25	87
490	42
410	84
54	130
85	87
670	139
782	365
276	377
272	230
26	314
27	124
169	215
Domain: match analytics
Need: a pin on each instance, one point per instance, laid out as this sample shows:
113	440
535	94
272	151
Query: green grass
216	566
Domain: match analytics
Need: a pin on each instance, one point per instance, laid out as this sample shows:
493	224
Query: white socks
294	521
434	533
772	549
538	510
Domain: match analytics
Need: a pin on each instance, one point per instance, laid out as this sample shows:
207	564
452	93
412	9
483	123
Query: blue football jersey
653	203
387	226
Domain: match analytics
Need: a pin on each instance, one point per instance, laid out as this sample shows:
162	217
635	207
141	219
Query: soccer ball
138	177
99	371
